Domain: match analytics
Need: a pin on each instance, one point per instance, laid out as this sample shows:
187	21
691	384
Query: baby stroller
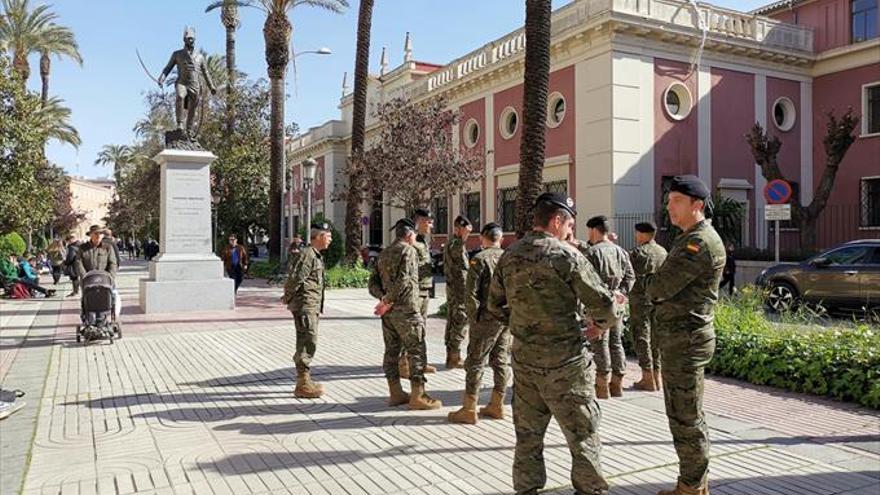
98	310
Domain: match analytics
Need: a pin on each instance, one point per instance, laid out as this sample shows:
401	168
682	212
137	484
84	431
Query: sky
106	93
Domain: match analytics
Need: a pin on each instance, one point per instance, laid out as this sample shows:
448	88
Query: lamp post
309	167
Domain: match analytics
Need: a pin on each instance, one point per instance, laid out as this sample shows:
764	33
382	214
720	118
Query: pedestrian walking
235	260
489	337
96	254
304	296
612	264
684	292
395	282
646	259
538	287
56	259
455	268
70	263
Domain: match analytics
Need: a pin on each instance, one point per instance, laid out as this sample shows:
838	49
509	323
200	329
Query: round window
555	109
784	114
677	101
509	122
471	133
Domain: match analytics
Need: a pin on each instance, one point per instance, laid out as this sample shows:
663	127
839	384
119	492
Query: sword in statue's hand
158	81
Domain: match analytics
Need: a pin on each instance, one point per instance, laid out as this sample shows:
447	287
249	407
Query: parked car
844	277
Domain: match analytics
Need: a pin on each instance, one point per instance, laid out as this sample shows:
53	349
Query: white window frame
685	99
552	100
502	124
471	124
870	177
865	133
790	114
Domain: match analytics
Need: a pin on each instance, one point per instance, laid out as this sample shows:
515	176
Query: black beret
689	185
597	221
558	199
491	228
404	222
422	212
462	221
322	226
646	227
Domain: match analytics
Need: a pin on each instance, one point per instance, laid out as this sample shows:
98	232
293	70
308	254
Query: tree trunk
808	234
230	80
45	67
355	196
536	82
276	33
21	66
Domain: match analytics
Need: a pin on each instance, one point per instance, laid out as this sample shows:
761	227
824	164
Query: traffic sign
777	192
777	212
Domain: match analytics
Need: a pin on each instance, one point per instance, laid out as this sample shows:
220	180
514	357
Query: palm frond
238	3
54	118
336	6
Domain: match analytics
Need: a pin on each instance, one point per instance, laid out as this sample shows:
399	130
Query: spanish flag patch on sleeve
693	247
473	262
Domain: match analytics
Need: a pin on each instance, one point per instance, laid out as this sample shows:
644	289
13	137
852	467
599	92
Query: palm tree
119	155
276	33
535	86
354	198
54	118
25	31
231	20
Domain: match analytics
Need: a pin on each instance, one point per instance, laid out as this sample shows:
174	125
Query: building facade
641	91
91	197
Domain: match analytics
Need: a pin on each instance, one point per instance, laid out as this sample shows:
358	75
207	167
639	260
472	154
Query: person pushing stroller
97	255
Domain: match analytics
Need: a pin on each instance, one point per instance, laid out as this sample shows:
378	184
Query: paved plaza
203	403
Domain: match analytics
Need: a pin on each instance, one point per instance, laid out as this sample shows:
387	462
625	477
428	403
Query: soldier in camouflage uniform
455	267
684	292
424	223
612	263
395	283
646	259
490	338
538	286
304	296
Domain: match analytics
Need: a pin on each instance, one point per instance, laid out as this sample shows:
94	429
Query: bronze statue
190	64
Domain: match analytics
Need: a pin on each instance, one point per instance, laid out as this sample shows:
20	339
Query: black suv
844	277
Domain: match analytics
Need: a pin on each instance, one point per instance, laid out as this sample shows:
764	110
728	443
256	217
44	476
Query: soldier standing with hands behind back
538	286
455	267
684	292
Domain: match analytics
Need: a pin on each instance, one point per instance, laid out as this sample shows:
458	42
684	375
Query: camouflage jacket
536	288
101	257
455	264
395	278
304	289
426	273
685	288
646	260
612	263
479	277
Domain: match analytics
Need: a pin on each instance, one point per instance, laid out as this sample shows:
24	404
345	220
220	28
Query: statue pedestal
186	275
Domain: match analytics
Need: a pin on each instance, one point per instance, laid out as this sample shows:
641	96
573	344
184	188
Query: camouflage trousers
566	393
685	356
404	333
489	344
456	325
647	347
306	324
608	351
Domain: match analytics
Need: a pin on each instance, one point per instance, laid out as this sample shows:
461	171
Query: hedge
12	243
346	277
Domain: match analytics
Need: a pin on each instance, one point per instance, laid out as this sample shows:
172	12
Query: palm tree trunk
45	67
21	66
535	85
276	33
230	80
355	196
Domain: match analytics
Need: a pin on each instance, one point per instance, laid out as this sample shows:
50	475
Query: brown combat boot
468	412
306	388
616	387
453	360
495	408
658	379
602	386
682	489
403	366
647	381
419	400
430	369
396	395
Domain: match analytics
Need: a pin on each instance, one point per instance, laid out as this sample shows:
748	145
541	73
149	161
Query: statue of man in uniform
188	86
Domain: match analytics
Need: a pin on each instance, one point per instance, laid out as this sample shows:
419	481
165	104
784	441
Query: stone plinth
186	275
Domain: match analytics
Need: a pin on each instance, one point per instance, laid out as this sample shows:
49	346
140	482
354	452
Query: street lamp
309	167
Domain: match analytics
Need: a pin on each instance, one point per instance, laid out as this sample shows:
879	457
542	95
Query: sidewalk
203	403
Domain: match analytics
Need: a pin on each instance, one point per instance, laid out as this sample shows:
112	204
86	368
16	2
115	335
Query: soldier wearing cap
304	296
489	337
424	224
612	263
684	292
395	282
646	259
537	289
455	267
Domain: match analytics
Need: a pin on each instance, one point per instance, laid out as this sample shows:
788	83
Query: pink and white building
635	100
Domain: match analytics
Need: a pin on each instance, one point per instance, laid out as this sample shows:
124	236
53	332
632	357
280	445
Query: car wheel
781	297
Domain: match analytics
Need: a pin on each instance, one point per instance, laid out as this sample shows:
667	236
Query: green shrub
12	243
263	269
841	362
344	277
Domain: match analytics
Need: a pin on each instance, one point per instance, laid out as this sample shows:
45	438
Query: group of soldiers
551	308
